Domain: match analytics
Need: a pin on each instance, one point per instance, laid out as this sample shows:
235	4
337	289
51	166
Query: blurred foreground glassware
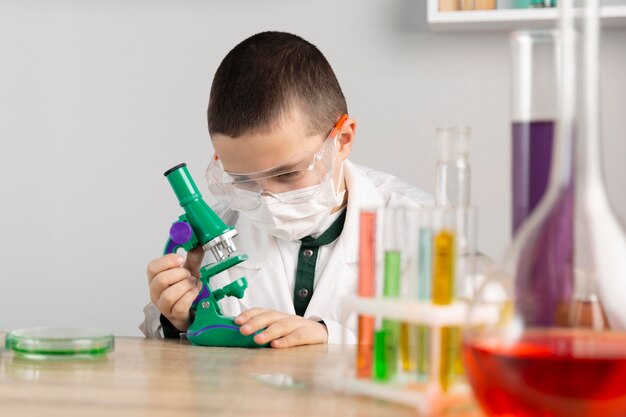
558	348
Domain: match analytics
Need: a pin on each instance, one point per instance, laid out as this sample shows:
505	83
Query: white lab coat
267	284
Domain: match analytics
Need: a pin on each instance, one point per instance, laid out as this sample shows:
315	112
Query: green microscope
200	226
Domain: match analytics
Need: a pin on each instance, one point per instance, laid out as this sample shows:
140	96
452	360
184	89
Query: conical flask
559	348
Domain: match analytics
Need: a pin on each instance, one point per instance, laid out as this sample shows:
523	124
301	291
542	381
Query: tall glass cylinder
548	271
534	111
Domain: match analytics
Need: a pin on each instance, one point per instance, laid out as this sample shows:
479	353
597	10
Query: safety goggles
294	181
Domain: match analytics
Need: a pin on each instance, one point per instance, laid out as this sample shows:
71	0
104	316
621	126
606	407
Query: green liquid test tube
380	372
387	339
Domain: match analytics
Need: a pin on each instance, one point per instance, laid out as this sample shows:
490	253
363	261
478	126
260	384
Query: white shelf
510	19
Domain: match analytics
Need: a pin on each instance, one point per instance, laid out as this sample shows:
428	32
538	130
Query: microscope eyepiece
172	169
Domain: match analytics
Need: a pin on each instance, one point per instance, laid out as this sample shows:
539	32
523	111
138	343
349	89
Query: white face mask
293	221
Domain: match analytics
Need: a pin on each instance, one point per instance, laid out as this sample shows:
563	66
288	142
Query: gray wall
98	98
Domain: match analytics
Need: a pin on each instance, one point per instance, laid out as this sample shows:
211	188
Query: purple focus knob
180	232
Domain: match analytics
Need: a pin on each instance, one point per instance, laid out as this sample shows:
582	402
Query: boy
279	125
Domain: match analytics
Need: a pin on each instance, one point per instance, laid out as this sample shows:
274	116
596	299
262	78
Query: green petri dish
59	343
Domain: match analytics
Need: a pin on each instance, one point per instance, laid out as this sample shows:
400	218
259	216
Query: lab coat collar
362	194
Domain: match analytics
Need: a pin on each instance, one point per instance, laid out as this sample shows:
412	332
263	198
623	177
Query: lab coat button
303	292
308	253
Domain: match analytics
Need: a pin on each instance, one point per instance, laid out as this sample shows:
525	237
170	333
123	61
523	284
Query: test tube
393	266
465	278
366	289
409	290
443	290
424	293
387	336
407	346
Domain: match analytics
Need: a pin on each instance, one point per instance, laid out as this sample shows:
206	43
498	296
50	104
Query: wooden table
144	377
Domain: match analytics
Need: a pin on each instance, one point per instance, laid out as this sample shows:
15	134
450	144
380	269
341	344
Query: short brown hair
264	77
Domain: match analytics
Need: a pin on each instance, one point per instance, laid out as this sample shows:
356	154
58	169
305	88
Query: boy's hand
174	284
281	329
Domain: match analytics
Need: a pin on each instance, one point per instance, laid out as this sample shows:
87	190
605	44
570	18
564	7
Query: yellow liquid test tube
407	346
443	293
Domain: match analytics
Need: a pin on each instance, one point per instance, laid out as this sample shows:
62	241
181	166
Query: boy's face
254	152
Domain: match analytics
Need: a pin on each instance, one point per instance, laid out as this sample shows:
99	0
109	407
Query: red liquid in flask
550	373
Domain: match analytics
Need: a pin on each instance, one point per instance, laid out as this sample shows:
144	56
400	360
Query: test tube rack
427	398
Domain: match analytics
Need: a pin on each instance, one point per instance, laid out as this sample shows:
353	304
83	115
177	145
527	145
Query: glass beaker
571	361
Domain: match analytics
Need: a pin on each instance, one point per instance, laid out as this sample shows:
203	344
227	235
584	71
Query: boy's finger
168	278
295	338
180	309
172	295
248	314
277	330
261	321
165	262
304	335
